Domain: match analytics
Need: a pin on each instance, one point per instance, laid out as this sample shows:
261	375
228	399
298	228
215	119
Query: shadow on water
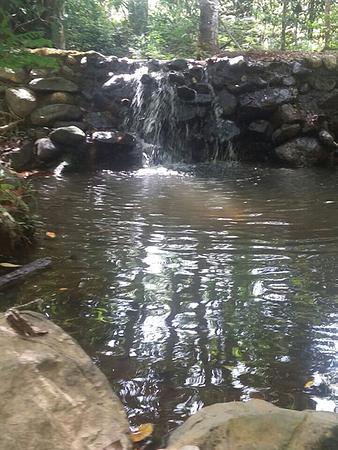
195	286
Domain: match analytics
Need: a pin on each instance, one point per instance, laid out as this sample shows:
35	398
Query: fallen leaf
309	384
9	265
144	431
63	289
51	234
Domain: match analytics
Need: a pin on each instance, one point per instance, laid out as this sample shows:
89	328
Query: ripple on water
190	286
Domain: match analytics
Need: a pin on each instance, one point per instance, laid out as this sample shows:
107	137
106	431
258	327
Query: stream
195	285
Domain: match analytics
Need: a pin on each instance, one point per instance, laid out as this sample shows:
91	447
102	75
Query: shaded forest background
167	28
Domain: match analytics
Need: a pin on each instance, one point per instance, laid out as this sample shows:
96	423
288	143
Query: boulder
68	136
314	61
302	152
52	395
21	101
47	115
53	84
177	64
113	137
11	75
46	150
176	78
204	93
256	425
227	102
285	132
288	114
266	100
260	128
322	83
61	124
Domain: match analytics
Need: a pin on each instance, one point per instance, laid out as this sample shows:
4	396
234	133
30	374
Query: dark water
190	289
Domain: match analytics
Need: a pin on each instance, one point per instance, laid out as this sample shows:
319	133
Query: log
23	272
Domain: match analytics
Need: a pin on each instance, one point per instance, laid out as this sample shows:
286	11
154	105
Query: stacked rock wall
96	110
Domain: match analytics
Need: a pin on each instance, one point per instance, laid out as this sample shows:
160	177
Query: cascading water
175	115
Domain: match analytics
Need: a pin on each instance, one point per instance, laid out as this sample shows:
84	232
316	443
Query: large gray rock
302	152
53	84
68	135
46	151
47	115
266	99
52	397
256	425
21	101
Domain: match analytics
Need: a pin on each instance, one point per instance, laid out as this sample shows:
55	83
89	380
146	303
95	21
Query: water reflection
189	289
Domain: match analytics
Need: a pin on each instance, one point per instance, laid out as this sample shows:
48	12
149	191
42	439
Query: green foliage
14	45
16	220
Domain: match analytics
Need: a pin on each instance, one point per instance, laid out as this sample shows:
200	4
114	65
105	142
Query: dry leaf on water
309	384
51	234
9	265
144	431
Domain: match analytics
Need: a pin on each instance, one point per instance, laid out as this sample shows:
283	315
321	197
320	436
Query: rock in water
21	101
52	395
256	425
71	135
46	151
302	152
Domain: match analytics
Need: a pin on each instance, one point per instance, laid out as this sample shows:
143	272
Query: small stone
302	152
299	69
68	136
59	97
262	127
289	81
289	114
21	101
327	139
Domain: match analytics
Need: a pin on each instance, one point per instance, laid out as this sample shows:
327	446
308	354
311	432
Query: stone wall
97	111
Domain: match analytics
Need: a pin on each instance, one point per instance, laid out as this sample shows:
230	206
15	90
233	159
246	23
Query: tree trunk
54	13
311	17
138	16
283	33
208	31
327	20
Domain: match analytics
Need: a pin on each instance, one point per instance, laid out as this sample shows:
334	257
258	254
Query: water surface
196	286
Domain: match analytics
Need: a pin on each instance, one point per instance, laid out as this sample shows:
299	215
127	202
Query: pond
194	285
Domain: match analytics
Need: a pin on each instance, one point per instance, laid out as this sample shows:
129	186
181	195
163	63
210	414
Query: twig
10	126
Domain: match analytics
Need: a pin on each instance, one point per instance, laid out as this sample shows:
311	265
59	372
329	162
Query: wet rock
118	87
227	130
227	101
49	114
288	114
177	64
98	119
186	93
21	101
53	84
70	135
53	397
302	152
176	78
289	81
197	73
60	124
261	128
46	150
19	158
322	83
113	137
237	61
205	93
330	61
38	73
329	101
256	425
327	139
299	69
285	132
266	100
14	76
